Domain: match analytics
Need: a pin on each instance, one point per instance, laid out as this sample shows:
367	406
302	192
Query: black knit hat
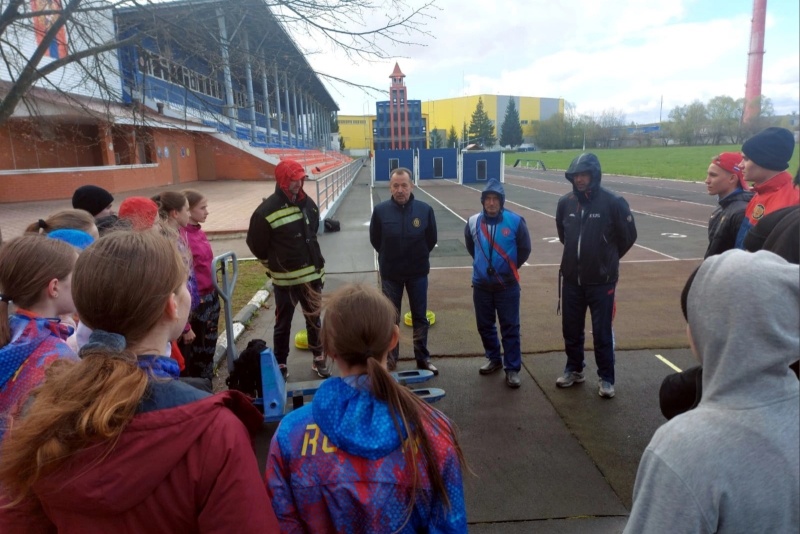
771	148
91	198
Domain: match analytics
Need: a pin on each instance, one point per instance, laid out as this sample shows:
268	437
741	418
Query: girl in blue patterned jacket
36	276
367	455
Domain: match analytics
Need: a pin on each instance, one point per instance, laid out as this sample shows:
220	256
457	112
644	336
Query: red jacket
183	469
776	193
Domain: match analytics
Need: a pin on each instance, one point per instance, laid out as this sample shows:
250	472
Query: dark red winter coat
185	468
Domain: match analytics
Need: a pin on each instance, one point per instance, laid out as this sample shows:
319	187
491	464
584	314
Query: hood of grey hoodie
744	314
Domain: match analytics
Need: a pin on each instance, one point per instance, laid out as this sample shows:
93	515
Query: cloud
597	54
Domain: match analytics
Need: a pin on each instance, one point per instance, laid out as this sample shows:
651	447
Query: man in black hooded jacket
596	228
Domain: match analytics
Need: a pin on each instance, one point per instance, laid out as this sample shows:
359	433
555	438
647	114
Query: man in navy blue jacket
596	228
403	231
499	242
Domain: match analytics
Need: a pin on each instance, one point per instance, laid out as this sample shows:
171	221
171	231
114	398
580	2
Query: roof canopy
194	26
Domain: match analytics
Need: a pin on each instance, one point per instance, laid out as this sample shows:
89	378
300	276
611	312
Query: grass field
680	162
250	279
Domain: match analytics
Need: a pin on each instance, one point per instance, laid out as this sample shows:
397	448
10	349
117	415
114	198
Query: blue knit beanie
771	148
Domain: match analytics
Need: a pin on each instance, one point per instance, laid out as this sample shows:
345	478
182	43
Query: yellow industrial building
442	114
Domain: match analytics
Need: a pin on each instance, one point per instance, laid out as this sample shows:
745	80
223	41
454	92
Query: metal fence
331	186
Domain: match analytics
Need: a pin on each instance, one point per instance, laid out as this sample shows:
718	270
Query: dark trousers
417	290
600	301
199	354
286	298
503	306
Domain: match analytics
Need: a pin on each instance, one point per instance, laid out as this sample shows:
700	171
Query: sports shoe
606	389
284	370
320	365
569	378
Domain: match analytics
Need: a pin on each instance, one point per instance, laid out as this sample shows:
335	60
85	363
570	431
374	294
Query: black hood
586	162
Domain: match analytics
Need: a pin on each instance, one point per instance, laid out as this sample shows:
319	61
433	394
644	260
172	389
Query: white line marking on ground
445	206
669	363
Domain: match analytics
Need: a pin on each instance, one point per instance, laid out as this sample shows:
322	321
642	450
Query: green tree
481	128
688	123
452	138
437	138
723	119
511	130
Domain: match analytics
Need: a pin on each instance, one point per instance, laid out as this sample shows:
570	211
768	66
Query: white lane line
553	217
445	206
690	222
668	363
680	201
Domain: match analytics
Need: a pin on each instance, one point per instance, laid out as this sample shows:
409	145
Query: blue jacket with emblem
404	236
596	227
339	465
501	242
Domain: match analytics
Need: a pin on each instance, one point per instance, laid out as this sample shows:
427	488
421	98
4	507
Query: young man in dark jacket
403	231
597	229
283	235
724	178
499	242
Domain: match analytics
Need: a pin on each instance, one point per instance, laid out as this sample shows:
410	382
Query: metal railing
228	268
331	186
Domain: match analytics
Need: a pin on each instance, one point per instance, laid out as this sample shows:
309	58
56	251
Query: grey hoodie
733	464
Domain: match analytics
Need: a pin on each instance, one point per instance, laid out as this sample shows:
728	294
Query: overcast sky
596	54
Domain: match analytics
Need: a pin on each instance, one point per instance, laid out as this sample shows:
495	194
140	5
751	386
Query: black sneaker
284	371
490	367
320	365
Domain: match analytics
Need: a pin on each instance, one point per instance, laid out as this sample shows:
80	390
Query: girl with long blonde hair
115	443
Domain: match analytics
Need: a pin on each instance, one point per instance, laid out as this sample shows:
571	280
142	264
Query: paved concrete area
230	204
542	459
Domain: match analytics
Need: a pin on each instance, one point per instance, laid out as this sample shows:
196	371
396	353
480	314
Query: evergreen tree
437	139
452	138
481	129
511	131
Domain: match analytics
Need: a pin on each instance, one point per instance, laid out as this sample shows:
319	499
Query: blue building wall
449	163
383	162
417	128
475	172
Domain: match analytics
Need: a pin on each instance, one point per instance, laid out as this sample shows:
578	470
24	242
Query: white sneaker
606	389
569	378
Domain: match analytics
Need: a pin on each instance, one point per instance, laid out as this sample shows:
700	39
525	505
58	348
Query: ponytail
358	328
65	219
90	401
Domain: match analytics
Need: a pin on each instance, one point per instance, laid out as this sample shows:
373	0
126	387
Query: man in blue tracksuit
403	232
596	228
499	242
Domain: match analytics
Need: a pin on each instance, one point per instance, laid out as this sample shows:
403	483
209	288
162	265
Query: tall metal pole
755	62
226	70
